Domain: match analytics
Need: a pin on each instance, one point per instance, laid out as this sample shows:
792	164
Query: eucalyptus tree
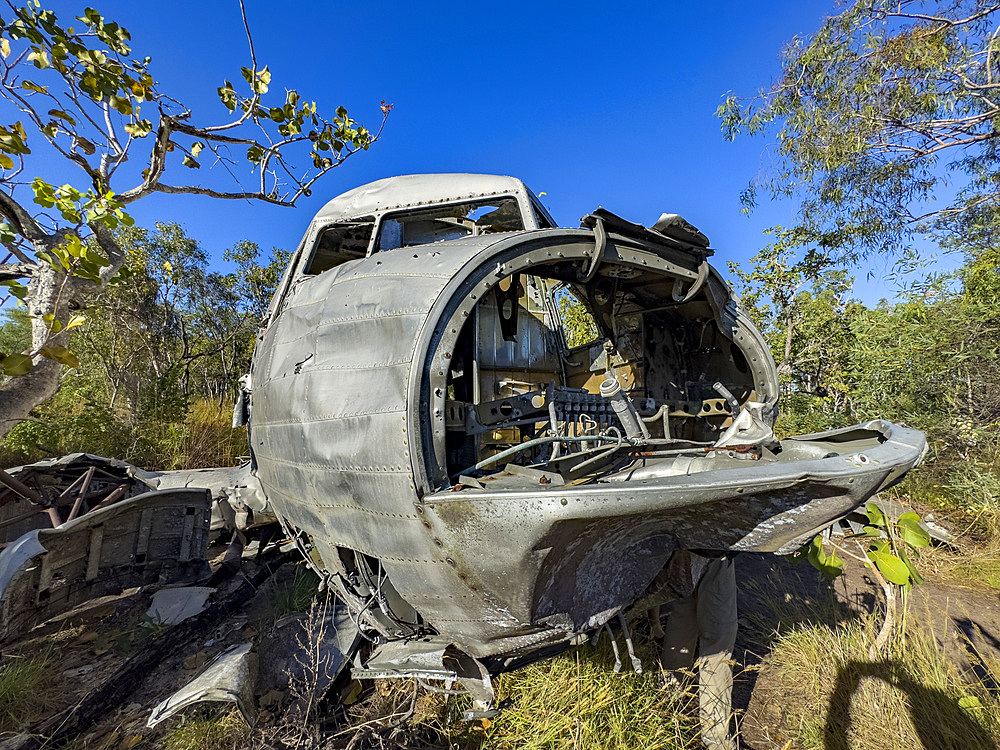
80	92
885	125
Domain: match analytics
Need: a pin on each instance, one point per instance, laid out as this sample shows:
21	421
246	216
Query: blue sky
592	103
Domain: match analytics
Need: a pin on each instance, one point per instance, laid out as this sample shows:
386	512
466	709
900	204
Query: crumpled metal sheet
235	491
174	605
153	536
230	678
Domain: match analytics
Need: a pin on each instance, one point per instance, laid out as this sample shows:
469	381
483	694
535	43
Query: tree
82	93
891	106
160	354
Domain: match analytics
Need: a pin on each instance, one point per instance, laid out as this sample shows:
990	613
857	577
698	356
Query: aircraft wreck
488	434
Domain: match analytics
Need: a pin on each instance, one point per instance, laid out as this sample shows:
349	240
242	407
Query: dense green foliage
928	360
79	91
885	124
161	353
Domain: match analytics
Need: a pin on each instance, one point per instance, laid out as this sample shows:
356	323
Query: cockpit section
560	379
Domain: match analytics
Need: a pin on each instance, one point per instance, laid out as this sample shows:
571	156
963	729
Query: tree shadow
939	721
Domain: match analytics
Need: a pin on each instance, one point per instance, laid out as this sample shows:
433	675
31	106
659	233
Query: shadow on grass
938	720
775	597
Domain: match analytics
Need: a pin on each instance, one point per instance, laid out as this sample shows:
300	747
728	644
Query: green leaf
830	566
227	96
969	702
189	162
196	148
875	515
62	116
40	59
62	355
51	323
6	162
139	128
121	104
34	87
76	320
912	532
914	573
15	364
891	567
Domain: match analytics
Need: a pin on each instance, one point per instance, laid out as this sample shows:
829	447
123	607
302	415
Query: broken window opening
340	243
578	325
542	218
440	223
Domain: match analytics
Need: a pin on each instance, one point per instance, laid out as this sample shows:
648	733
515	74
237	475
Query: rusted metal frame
20	488
22	517
115	495
85	485
29	494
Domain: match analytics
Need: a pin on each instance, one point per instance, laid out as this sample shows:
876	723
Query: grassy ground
208	733
25	684
575	700
839	698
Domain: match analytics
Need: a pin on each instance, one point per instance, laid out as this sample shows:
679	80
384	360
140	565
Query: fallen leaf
272	698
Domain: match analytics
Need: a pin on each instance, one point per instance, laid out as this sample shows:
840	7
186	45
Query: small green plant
294	595
887	546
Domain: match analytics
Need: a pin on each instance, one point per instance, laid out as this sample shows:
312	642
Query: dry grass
837	698
207	437
577	701
224	732
976	561
570	701
26	684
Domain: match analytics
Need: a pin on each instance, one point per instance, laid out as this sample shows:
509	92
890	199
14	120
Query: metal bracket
600	246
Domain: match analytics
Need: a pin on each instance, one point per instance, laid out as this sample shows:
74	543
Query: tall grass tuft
837	698
206	438
26	684
224	732
577	701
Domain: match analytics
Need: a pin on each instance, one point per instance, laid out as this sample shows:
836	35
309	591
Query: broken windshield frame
427	224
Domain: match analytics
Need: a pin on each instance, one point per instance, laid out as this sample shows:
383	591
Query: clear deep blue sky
609	104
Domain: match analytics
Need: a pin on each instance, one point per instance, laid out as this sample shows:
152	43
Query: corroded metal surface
131	543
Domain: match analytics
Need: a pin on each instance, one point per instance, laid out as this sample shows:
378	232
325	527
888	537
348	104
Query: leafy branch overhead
77	89
887	104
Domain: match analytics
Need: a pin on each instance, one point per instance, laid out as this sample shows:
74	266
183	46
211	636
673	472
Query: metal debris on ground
230	678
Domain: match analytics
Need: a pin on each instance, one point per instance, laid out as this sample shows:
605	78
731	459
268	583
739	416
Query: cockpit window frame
528	220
